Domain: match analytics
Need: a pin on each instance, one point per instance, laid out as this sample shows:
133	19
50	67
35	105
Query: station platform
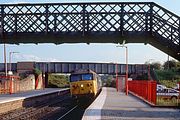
29	98
113	105
28	94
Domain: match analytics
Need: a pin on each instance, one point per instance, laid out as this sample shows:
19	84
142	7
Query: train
85	84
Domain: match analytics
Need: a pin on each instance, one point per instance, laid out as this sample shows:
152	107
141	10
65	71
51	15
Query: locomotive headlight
82	85
91	91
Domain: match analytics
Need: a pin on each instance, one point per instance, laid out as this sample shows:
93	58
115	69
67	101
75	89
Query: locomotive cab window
87	77
74	78
79	77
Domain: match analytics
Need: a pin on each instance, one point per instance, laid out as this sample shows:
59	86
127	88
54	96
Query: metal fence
9	84
158	94
145	89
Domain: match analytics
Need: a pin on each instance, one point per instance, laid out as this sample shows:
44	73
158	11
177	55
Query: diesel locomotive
85	84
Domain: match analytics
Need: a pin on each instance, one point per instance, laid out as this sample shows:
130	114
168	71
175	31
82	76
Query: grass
161	101
169	83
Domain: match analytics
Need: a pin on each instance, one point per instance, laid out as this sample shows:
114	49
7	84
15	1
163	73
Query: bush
167	74
24	75
142	77
58	81
37	72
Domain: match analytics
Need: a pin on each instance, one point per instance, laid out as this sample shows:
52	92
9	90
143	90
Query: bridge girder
68	67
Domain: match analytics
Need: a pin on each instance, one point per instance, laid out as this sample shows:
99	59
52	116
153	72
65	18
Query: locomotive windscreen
79	77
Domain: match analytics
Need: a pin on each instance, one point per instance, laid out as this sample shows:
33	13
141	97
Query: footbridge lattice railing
68	21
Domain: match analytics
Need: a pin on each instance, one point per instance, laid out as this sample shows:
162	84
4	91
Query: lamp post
168	62
117	77
126	55
5	62
10	56
149	69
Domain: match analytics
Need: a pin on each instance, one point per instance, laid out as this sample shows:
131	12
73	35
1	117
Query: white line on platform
93	112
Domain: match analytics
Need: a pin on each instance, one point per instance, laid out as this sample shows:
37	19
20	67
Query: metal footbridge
110	22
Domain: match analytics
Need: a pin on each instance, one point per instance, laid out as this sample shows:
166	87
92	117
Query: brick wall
27	83
23	85
15	85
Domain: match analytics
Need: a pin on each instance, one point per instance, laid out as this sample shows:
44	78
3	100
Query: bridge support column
46	80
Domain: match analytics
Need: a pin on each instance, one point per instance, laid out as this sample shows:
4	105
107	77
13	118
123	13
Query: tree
169	64
156	65
178	67
110	82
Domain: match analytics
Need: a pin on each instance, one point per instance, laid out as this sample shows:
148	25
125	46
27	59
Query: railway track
75	112
67	113
60	108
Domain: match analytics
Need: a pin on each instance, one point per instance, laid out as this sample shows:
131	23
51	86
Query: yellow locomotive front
84	84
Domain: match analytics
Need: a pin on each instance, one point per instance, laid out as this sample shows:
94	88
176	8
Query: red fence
9	84
145	89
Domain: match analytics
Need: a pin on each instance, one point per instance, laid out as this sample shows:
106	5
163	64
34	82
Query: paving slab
118	106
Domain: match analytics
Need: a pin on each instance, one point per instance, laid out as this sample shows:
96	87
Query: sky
109	53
